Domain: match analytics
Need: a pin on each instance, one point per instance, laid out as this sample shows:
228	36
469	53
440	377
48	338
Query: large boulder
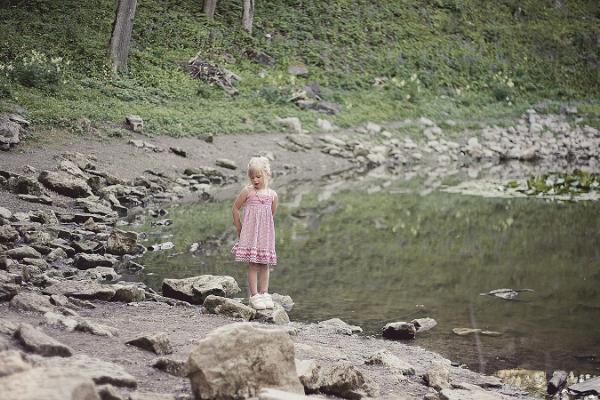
48	384
65	184
38	342
196	289
237	360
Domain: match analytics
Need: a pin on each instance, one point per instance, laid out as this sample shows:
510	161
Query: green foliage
36	70
464	50
557	183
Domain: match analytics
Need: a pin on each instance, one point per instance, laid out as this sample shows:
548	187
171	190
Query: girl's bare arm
275	203
235	210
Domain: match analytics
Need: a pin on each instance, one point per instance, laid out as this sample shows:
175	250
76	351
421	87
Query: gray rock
8	291
229	307
559	378
23	252
170	366
82	290
302	140
12	362
342	379
48	384
298	70
225	163
424	324
65	184
438	375
84	325
38	342
399	331
283	300
56	254
157	343
86	261
101	372
195	289
238	360
588	387
95	207
465	331
390	361
128	293
9	133
309	373
340	326
60	320
43	199
292	123
135	123
25	185
275	315
5	213
465	391
122	242
8	234
31	301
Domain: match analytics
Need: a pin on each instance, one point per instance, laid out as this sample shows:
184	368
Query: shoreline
305	159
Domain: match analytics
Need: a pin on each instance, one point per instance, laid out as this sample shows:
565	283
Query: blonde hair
260	164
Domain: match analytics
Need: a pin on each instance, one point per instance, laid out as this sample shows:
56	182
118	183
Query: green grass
463	55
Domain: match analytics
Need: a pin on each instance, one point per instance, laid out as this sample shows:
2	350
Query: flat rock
48	384
82	290
38	342
588	387
128	293
340	326
229	307
283	300
240	359
31	301
195	289
390	361
225	163
86	261
465	331
465	391
65	184
424	324
157	343
99	371
23	252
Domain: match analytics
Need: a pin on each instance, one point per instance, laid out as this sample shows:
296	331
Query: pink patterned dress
257	238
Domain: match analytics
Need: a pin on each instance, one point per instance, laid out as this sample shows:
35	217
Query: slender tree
209	7
248	15
121	34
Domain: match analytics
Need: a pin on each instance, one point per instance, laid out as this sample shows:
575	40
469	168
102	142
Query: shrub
36	69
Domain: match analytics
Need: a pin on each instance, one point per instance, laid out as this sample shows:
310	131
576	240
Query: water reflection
372	257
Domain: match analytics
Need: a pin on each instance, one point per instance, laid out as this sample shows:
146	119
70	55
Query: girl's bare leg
263	278
253	269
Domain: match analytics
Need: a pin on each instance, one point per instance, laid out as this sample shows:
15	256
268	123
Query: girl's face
258	178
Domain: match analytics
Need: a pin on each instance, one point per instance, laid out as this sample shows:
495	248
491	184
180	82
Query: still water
396	255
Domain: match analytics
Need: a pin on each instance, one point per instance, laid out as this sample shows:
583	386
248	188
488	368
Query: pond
371	257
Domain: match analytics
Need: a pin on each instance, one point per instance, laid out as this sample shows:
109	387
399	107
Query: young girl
256	232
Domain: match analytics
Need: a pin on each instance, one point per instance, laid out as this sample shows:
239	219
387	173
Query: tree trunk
209	7
121	34
248	15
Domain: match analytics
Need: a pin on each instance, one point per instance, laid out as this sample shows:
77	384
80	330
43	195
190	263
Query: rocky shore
72	326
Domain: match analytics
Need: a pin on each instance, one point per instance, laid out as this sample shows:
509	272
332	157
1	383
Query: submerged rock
399	331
